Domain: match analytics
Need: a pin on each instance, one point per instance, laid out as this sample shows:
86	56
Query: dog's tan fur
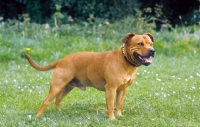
112	71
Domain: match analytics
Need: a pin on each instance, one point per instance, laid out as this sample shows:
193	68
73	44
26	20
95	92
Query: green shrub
50	42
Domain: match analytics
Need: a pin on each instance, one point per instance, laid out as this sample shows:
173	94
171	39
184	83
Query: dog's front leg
110	95
120	100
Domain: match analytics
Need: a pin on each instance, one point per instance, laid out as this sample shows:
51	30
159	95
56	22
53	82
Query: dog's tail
41	68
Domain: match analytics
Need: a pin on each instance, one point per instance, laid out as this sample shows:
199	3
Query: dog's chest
128	80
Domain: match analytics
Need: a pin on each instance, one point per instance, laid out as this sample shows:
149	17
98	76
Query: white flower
164	94
47	26
70	19
158	79
29	116
23	33
106	22
193	87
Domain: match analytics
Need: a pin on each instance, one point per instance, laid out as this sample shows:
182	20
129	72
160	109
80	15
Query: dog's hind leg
73	83
58	83
52	94
62	94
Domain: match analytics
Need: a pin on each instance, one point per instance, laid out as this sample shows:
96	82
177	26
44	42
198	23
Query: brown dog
112	71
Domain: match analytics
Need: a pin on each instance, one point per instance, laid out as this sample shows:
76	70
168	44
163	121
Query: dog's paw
119	114
112	117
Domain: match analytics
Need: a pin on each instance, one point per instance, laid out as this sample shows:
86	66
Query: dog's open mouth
145	60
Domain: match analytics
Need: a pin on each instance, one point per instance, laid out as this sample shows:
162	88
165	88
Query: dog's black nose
152	52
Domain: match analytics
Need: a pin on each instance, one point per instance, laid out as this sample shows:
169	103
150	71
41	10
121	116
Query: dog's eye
140	44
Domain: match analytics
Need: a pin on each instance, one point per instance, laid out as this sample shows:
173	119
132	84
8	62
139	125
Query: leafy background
42	11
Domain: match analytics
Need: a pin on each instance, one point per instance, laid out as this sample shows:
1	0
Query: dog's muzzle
152	52
146	59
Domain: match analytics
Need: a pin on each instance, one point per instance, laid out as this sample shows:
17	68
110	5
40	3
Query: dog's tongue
147	60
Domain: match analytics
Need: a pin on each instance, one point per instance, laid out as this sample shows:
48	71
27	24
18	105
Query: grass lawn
164	94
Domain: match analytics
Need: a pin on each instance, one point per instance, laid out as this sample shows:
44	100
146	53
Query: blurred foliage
39	10
64	11
174	12
51	42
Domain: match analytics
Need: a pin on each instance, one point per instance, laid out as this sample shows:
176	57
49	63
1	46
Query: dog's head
138	49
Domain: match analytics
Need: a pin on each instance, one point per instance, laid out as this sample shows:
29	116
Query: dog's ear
151	37
128	37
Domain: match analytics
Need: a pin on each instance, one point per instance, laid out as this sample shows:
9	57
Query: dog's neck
123	52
